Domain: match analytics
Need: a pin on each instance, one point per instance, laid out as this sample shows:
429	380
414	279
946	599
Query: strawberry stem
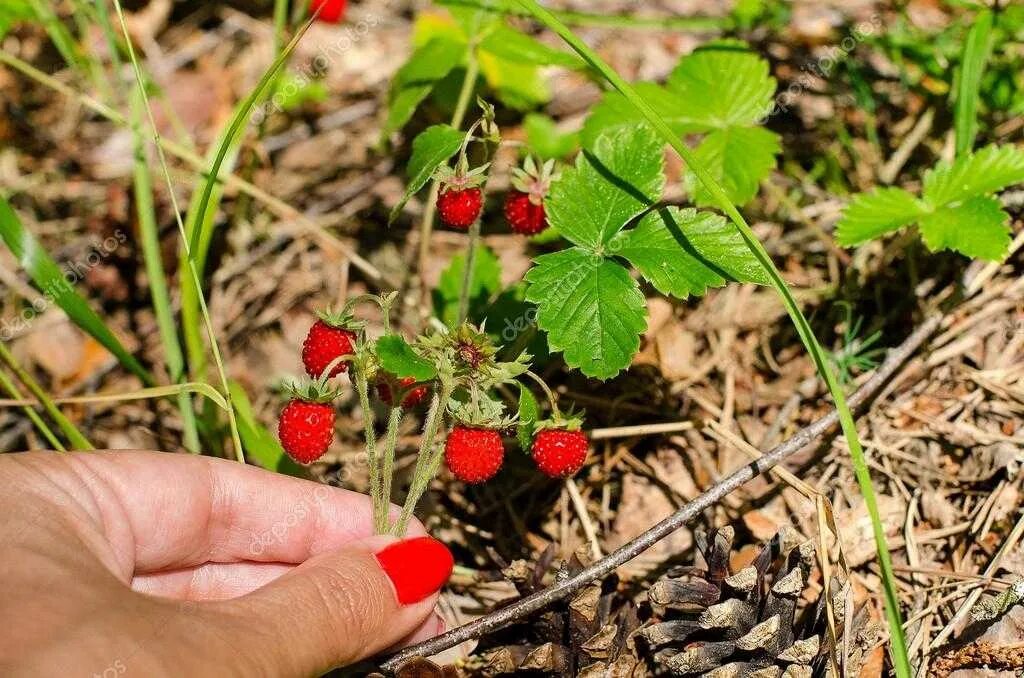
390	442
380	521
556	414
428	460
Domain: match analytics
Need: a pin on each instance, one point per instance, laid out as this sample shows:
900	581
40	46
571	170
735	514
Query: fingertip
417	567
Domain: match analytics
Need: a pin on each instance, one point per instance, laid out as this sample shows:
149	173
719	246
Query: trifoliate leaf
977	227
545	140
512	45
620	178
670	246
591	308
723	85
738	157
485	284
413	82
396	356
991	169
431	147
529	413
870	215
519	85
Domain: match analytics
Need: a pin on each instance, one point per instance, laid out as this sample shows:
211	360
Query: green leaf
977	227
529	413
683	252
512	45
590	307
977	48
397	357
991	169
260	444
614	111
870	215
521	86
431	148
723	84
485	284
415	79
738	157
621	178
53	282
544	139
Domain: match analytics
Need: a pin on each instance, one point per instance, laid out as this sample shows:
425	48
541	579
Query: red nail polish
417	567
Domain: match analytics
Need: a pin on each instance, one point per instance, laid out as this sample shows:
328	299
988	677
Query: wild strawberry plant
957	209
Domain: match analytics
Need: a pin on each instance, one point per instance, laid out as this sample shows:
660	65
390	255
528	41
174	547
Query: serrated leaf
545	140
614	111
417	77
485	284
591	308
529	412
870	215
396	356
991	169
609	186
518	85
683	252
738	157
512	45
723	85
977	227
431	148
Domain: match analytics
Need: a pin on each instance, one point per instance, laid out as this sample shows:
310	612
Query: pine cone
749	623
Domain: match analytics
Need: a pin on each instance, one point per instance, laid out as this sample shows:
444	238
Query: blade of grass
60	35
144	394
49	279
74	436
153	260
849	428
977	49
212	180
573	18
12	390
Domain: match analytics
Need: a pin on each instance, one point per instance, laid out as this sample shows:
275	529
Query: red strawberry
559	453
474	454
459	208
412	398
323	345
331	11
306	429
524	204
525	213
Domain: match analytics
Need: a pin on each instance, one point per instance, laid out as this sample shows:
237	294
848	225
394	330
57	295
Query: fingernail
417	567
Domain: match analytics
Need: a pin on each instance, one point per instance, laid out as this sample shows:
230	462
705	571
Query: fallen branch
602	568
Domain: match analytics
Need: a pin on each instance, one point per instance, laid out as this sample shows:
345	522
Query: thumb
338	608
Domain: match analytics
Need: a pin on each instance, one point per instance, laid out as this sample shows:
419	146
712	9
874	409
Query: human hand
145	563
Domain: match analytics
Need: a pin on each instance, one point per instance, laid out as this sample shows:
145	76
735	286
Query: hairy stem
388	470
427	461
380	520
467	274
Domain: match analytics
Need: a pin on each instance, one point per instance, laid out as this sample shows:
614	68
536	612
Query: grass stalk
803	328
977	49
74	436
573	18
59	34
153	260
140	81
12	389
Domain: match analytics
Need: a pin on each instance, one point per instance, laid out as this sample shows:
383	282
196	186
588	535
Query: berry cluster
459	368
